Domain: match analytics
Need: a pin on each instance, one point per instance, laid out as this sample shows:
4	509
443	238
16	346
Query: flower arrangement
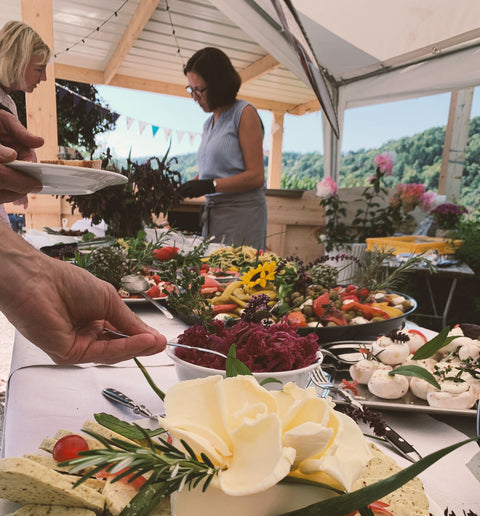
448	215
407	197
379	215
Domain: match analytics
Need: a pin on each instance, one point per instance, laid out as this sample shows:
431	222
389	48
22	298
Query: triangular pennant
129	122
180	135
155	130
167	133
192	137
61	93
89	106
76	100
115	116
142	126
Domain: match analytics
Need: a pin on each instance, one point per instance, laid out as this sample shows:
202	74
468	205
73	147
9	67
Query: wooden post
275	158
41	107
456	136
41	104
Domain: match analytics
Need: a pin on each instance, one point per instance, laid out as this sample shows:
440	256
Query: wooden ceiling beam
307	107
85	75
258	68
143	13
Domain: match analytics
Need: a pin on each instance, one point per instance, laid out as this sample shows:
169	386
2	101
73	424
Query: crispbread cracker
50	462
51	510
408	500
27	482
118	496
93	426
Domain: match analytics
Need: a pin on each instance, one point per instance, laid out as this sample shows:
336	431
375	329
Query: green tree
78	121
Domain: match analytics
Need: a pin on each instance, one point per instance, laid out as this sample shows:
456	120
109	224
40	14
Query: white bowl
187	371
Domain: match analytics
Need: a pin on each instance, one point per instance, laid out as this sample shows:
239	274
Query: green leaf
124	428
235	367
150	381
269	380
433	345
349	502
417	372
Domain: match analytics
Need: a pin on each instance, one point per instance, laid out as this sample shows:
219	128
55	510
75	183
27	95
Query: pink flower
411	195
427	201
384	162
326	188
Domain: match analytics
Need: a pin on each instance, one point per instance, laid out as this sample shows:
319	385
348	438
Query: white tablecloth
43	397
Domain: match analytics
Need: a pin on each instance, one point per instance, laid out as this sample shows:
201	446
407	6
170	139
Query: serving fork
400	445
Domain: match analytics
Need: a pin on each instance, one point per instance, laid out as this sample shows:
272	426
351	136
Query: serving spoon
135	284
173	344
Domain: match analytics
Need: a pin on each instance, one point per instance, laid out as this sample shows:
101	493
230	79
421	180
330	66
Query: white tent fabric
374	51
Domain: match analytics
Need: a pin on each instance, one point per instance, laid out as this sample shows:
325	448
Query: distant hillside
418	161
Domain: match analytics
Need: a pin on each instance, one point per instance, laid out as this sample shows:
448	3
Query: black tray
367	331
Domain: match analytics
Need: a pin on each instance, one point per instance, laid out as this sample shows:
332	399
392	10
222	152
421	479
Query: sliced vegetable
368	311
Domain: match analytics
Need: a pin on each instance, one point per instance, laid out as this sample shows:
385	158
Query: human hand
64	309
197	188
14	185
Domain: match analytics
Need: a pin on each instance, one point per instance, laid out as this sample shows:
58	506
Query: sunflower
259	276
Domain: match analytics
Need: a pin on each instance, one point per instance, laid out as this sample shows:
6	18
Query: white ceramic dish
141	300
68	180
187	371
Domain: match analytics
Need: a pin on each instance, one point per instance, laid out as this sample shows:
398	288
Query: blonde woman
23	61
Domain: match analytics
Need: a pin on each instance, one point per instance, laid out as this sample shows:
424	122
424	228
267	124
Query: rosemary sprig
169	467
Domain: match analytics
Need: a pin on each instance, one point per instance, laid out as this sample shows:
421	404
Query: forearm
243	182
20	266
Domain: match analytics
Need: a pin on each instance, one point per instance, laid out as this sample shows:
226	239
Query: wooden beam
308	107
258	68
41	104
456	136
143	13
275	158
74	73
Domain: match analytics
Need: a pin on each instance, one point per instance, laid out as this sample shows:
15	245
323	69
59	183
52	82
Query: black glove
197	188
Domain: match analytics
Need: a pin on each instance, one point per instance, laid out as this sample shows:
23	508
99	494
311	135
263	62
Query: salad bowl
188	371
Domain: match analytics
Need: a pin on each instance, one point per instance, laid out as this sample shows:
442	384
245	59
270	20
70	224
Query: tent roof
374	50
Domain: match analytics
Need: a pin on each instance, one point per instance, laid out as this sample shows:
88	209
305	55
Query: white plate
67	180
141	300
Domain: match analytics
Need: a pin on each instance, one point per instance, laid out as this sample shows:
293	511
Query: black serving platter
367	331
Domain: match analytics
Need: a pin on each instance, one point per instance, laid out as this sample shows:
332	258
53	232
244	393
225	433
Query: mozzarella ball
452	396
364	368
387	387
389	352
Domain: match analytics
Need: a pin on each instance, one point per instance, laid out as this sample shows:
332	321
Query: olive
308	311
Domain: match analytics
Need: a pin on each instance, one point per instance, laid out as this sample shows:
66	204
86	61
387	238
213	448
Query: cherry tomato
68	447
156	278
153	291
165	253
297	319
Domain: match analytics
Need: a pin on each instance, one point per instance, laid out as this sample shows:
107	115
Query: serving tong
398	443
173	344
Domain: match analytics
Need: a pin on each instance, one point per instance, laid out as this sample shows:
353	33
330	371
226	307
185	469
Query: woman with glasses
230	157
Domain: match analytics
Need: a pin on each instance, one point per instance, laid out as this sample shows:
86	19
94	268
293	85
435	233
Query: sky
147	121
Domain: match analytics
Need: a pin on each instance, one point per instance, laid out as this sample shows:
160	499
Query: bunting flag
142	126
80	100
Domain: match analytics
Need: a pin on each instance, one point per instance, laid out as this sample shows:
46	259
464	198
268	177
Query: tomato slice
137	483
416	332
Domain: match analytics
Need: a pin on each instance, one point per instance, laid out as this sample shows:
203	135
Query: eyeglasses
196	91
